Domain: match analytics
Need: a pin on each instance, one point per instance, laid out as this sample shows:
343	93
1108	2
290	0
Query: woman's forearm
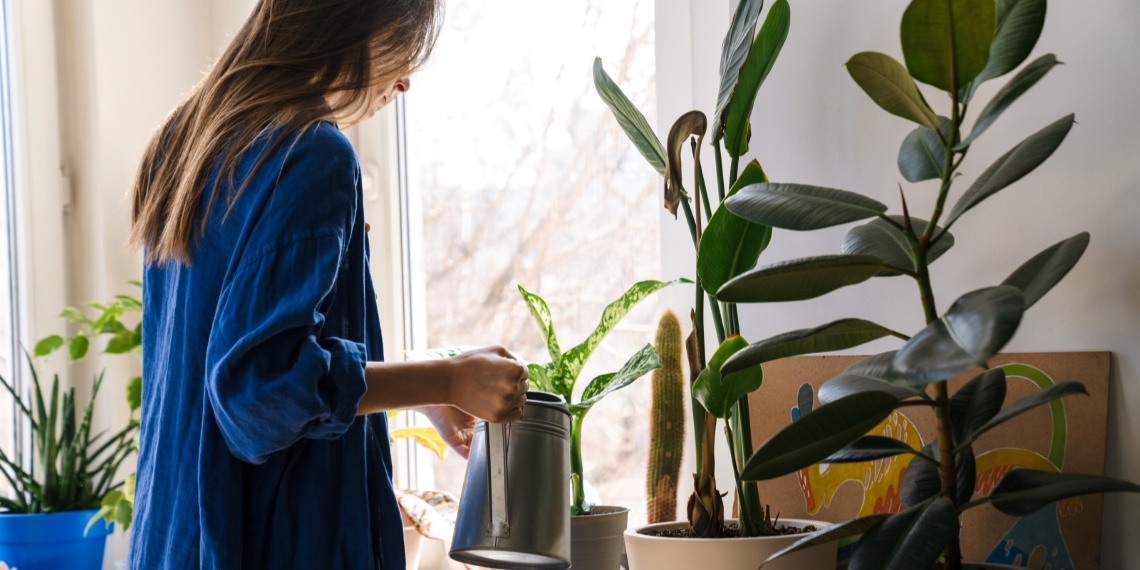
403	385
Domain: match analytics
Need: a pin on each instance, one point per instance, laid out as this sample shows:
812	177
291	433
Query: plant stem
579	504
747	494
700	174
719	172
732	170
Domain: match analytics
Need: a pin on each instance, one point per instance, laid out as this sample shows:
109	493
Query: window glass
518	174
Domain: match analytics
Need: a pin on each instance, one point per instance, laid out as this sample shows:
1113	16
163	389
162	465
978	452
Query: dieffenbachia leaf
800	279
734	52
946	43
765	49
718	392
884	240
1025	491
1016	87
800	206
631	120
1013	165
541	314
913	538
731	245
889	85
813	437
836	335
1038	275
974	329
641	363
692	123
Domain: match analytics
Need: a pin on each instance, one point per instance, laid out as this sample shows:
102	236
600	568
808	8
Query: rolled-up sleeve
273	377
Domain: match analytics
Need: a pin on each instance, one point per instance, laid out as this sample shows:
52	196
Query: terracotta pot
660	553
596	539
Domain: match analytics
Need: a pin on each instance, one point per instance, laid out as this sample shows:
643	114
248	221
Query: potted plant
51	522
954	46
727	246
595	531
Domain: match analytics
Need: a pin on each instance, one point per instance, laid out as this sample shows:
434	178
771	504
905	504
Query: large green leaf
541	314
1038	275
946	43
77	348
800	206
974	329
48	344
839	531
1019	24
976	403
731	245
690	124
718	392
813	437
867	375
799	279
870	448
734	52
922	480
765	50
1013	165
1025	491
836	335
630	119
889	85
641	363
541	377
574	359
884	240
922	155
910	540
1024	405
1016	87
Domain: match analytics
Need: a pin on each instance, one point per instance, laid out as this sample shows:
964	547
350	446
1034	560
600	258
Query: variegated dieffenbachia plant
560	375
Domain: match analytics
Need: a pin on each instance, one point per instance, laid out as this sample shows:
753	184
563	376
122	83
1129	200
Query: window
517	174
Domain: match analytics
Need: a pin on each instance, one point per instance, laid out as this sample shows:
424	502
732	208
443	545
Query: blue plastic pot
52	541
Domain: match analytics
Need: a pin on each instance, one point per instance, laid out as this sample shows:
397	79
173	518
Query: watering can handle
497	460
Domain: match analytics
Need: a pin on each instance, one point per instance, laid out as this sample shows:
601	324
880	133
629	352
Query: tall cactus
667	435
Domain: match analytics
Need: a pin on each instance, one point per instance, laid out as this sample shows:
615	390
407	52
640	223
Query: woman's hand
488	383
455	426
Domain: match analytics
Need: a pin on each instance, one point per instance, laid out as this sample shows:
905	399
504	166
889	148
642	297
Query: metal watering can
515	509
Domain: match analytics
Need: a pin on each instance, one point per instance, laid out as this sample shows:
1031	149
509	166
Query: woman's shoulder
322	141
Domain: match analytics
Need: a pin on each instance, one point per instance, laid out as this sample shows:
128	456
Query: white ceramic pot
596	539
413	544
663	553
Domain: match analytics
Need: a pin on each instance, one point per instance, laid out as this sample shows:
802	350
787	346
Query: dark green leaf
813	437
912	539
731	245
946	43
717	392
887	242
48	344
690	124
922	480
1019	24
765	50
800	206
1017	87
1038	275
976	403
1013	165
836	335
870	448
78	347
734	52
889	85
1027	403
120	343
541	378
799	279
975	328
541	314
134	393
846	529
630	119
867	375
641	363
922	155
1025	491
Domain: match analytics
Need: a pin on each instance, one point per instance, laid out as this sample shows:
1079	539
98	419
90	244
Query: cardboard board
1068	435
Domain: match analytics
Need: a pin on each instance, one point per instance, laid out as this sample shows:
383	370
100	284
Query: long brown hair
293	64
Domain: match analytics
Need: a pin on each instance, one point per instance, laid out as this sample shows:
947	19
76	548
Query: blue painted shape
1038	530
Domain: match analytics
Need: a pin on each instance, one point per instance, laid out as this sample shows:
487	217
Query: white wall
813	124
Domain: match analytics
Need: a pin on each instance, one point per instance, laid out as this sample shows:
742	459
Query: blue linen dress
251	454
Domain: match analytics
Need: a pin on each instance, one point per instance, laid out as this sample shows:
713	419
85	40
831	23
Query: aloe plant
727	246
560	375
953	46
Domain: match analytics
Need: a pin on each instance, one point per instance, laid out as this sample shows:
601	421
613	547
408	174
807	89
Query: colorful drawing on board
1035	540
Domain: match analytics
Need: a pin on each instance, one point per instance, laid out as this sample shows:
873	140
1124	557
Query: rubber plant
560	375
953	46
727	246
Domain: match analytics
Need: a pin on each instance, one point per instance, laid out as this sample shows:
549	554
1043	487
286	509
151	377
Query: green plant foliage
800	206
1013	90
800	279
839	531
911	540
1026	491
1024	405
922	480
717	391
631	120
870	448
736	120
731	245
1019	24
692	123
667	423
830	337
868	375
922	155
946	43
886	239
888	84
1038	275
976	403
734	52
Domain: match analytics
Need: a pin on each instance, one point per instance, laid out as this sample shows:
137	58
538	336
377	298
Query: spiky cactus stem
667	435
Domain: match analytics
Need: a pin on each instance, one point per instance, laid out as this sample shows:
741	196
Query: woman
261	445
